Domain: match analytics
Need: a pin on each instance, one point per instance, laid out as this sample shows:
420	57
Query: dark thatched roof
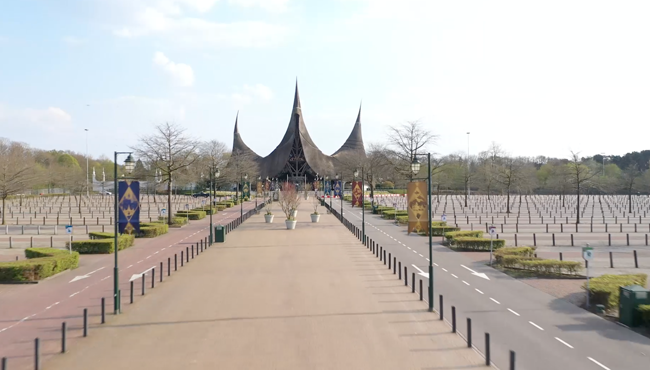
317	162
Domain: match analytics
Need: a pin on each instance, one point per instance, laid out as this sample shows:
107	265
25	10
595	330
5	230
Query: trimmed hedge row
153	229
523	258
207	210
102	245
41	263
450	236
392	215
192	215
604	289
477	244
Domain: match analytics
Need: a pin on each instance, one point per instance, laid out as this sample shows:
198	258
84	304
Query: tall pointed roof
354	143
238	144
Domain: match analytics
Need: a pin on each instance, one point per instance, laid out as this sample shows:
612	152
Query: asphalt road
545	332
38	310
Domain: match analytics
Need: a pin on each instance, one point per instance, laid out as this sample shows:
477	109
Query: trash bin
629	300
219	234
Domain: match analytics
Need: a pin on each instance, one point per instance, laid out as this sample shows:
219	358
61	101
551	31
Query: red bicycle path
38	310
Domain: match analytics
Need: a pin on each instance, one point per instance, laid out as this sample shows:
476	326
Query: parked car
201	195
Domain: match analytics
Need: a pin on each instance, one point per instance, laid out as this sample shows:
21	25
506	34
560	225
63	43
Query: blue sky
539	78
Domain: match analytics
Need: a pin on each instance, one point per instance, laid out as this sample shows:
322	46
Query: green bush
605	289
207	210
152	230
192	215
125	240
382	210
477	244
463	234
246	199
439	230
645	313
513	254
225	204
41	263
220	207
402	220
391	215
102	246
550	266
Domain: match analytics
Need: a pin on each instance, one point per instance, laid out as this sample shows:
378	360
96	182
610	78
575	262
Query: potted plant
268	216
289	201
315	216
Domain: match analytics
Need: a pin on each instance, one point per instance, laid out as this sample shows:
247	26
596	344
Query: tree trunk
508	201
629	200
4	218
578	205
169	202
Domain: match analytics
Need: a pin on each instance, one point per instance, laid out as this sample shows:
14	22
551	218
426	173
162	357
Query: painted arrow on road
425	274
479	274
81	277
137	276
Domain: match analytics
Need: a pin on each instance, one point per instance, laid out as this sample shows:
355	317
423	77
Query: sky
538	78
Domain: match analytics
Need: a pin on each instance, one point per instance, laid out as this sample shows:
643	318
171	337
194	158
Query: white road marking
129	266
149	256
421	255
466	283
563	342
157	252
1	330
535	325
52	305
454	276
495	301
408	247
139	261
444	269
478	291
598	363
74	294
514	312
415	252
104	278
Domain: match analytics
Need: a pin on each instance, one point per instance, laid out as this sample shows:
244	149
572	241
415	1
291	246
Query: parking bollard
176	261
406	277
63	333
169	266
389	260
144	278
420	289
453	319
469	332
512	360
161	272
487	349
413	282
3	364
636	261
400	270
441	306
153	278
187	254
85	322
182	259
37	354
131	292
103	310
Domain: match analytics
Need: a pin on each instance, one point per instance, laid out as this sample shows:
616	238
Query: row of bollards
201	246
396	266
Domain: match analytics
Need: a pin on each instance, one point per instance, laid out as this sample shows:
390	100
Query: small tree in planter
315	216
268	216
289	201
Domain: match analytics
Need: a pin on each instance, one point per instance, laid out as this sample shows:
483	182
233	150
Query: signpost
163	212
588	255
493	231
187	213
68	230
395	209
443	218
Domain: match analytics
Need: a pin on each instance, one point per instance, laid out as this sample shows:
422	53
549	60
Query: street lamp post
415	168
87	174
129	165
340	193
468	191
214	174
241	204
363	206
327	178
259	181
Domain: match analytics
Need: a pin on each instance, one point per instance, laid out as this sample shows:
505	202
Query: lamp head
129	164
415	165
217	173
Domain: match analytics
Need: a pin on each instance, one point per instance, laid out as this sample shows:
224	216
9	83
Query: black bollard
487	349
131	292
442	308
187	254
636	261
169	266
381	253
385	257
560	256
611	260
389	260
103	310
192	251
63	333
37	354
85	322
453	319
420	289
3	364
400	270
182	259
406	277
144	278
512	360
413	282
153	278
176	261
469	332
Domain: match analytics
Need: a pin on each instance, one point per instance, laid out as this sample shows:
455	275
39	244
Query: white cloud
169	21
181	74
260	91
270	5
52	119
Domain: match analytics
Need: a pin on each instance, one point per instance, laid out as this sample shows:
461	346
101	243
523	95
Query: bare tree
579	176
169	150
406	140
487	167
629	180
213	155
17	170
239	164
508	175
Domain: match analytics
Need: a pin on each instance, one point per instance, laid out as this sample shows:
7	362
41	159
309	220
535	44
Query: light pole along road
544	331
129	165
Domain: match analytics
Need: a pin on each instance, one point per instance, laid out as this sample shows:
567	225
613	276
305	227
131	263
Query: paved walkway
269	298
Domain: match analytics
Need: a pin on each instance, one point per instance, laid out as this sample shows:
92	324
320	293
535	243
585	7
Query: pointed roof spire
236	124
354	143
296	98
238	144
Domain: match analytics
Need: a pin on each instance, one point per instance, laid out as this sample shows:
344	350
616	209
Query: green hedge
604	289
510	255
41	263
477	244
391	215
220	207
463	234
439	230
207	210
102	246
153	229
192	215
645	313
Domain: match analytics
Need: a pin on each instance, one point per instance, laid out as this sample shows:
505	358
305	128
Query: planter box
315	218
268	219
290	224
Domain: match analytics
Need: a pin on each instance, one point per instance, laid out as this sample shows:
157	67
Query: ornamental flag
259	188
328	187
417	207
129	207
338	189
356	194
246	190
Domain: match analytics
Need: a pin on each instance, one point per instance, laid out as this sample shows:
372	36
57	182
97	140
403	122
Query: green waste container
219	234
629	300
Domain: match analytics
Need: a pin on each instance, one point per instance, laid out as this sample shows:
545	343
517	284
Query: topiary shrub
439	230
477	244
392	215
221	207
192	215
41	263
462	234
102	246
153	229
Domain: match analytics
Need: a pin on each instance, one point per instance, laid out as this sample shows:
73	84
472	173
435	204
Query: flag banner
356	194
338	188
129	207
328	187
316	185
246	190
259	188
417	207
